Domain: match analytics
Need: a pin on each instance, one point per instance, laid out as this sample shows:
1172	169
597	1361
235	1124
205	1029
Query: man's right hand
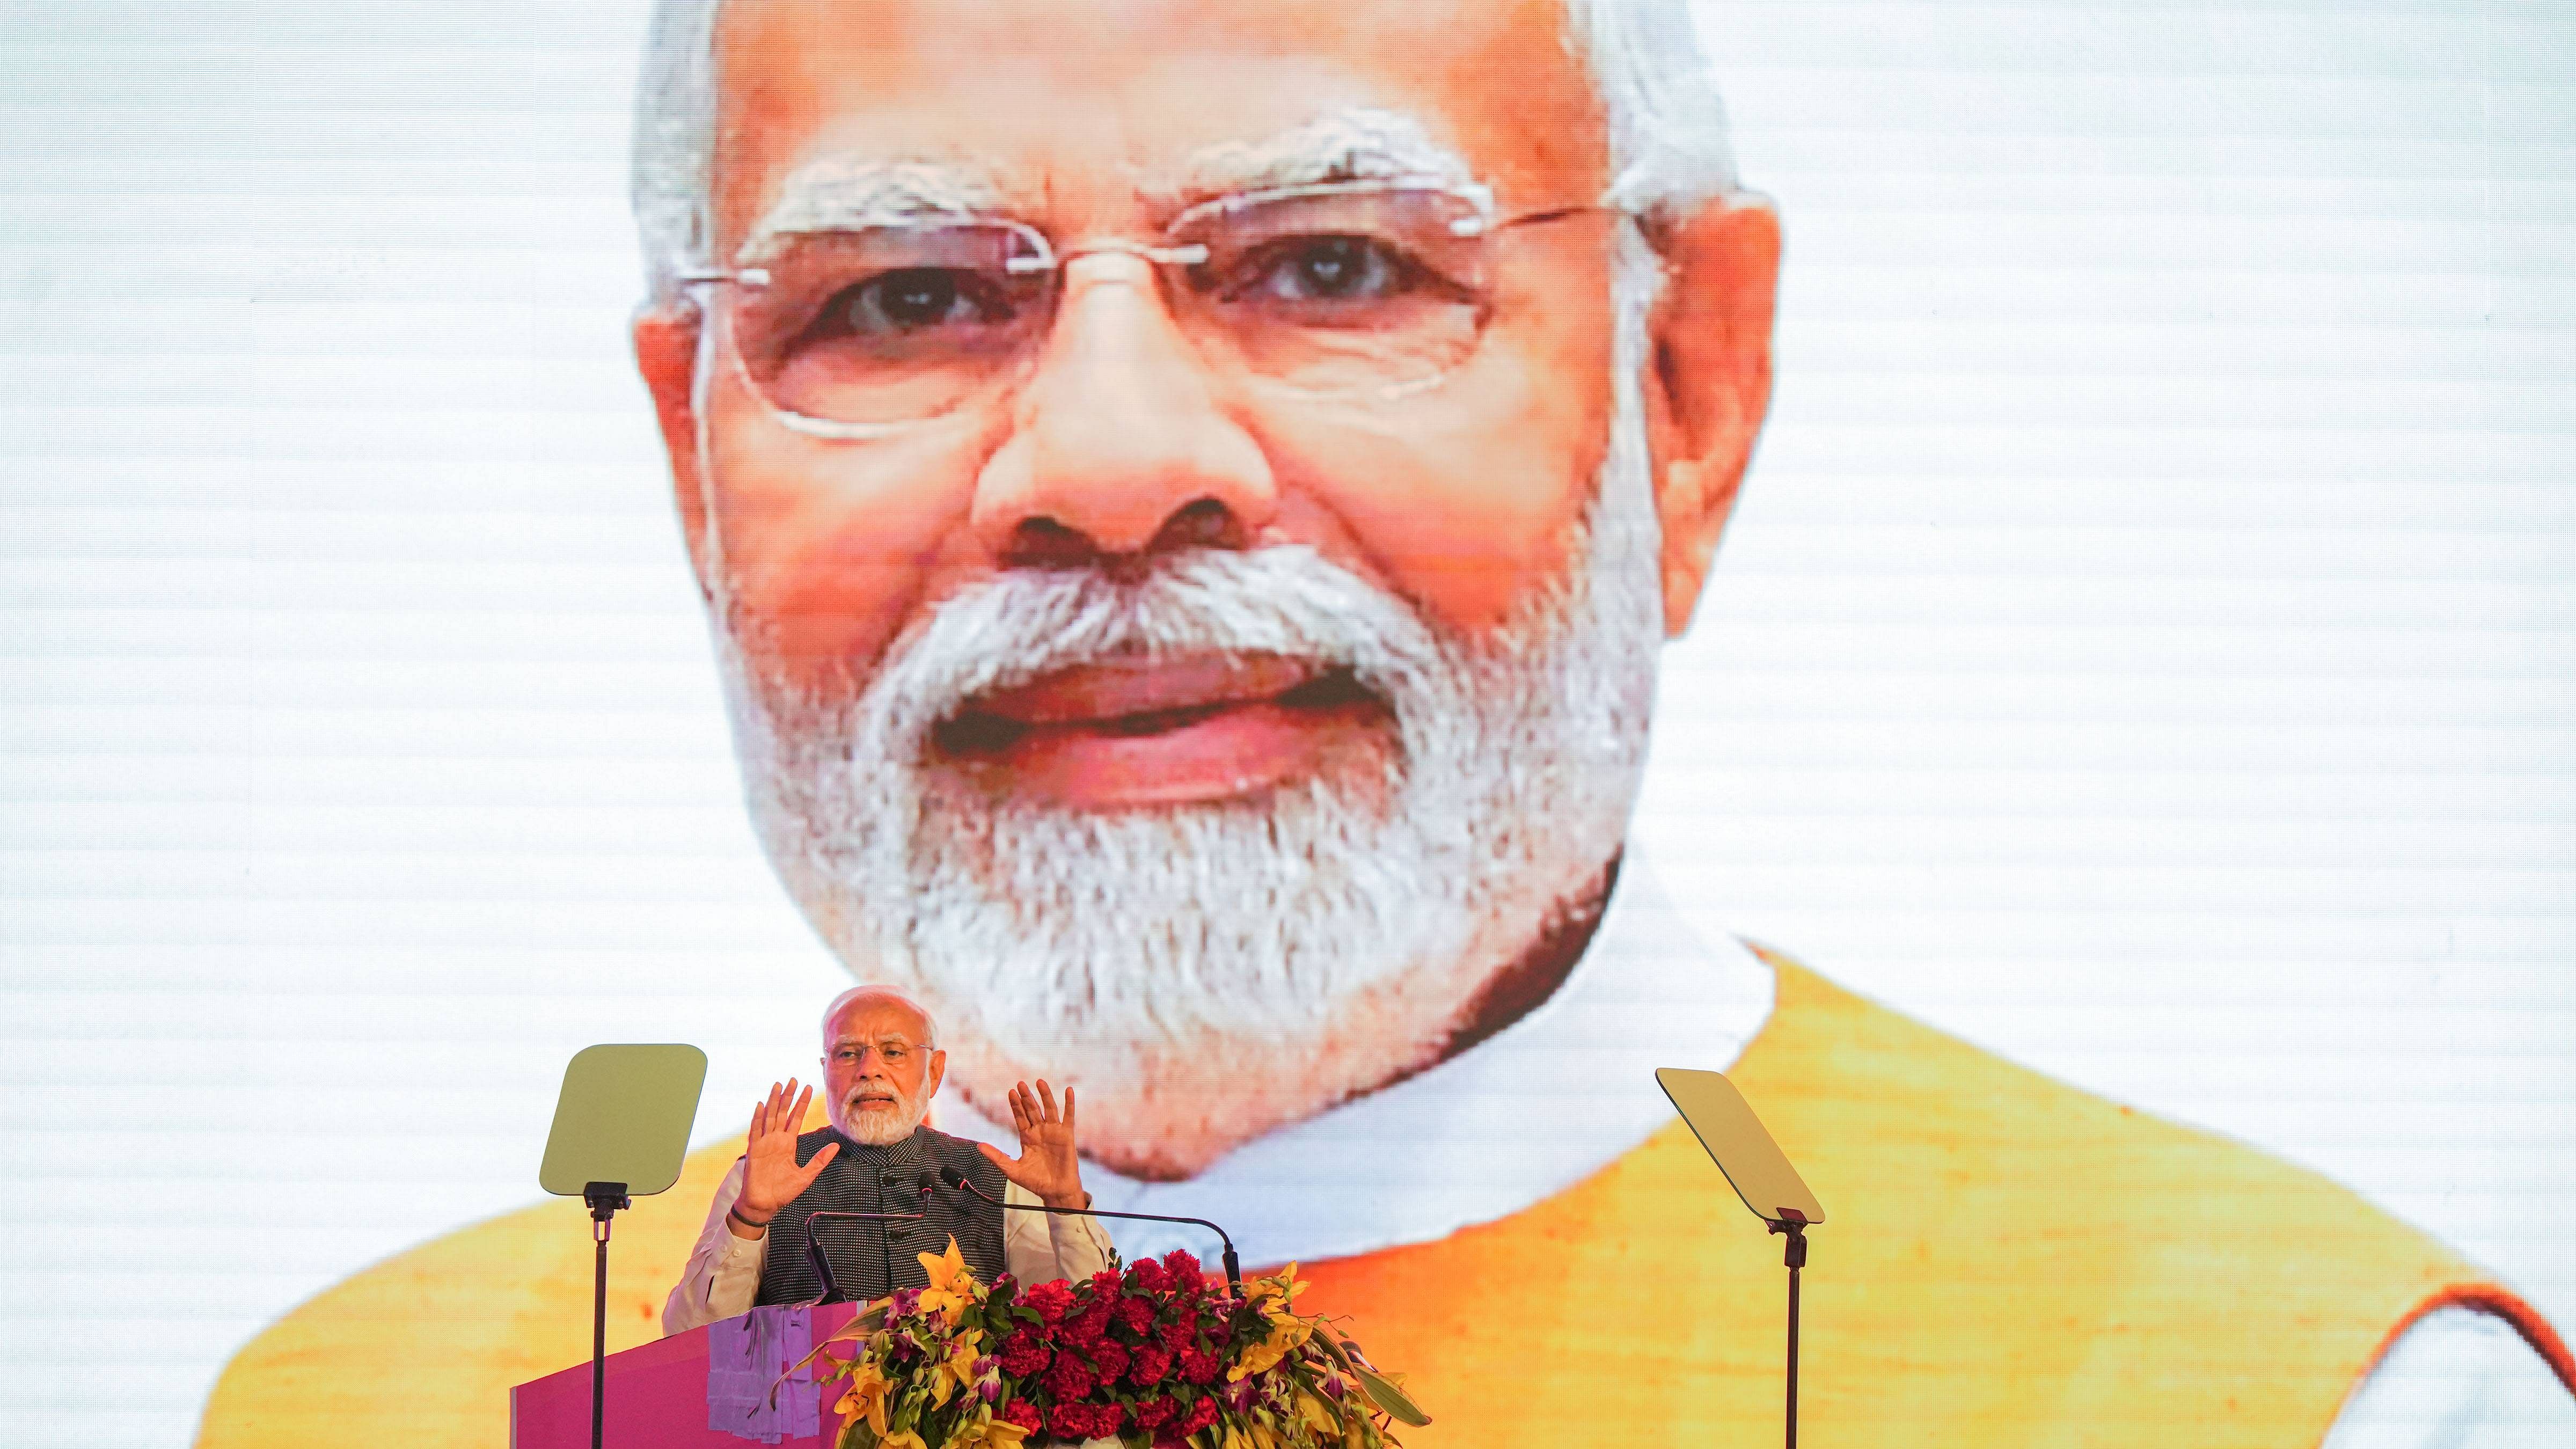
770	1177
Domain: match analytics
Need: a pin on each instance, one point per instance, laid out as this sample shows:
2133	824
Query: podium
657	1398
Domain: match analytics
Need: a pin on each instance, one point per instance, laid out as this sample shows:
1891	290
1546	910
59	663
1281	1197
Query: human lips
1142	690
1146	731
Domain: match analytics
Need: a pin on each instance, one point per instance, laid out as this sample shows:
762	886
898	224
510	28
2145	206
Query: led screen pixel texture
2143	648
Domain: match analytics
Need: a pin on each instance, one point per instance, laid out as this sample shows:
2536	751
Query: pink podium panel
658	1395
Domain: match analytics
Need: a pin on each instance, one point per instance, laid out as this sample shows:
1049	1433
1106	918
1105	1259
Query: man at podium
881	1068
1190	496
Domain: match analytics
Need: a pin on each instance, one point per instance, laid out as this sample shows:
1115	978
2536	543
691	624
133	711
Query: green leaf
1393	1401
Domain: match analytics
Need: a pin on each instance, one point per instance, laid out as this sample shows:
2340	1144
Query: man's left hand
1047	1165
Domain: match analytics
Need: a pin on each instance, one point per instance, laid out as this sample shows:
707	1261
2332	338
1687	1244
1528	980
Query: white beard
882	1128
1099	943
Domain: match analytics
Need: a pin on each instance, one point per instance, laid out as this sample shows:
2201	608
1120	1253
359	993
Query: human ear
666	353
938	1072
1708	380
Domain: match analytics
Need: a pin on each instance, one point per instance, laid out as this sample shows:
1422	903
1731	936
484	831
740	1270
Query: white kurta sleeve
1042	1247
723	1275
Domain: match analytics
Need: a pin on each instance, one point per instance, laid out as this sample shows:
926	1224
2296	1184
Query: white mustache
1285	600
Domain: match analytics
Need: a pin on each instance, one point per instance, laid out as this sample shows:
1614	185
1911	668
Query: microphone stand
1233	1269
822	1261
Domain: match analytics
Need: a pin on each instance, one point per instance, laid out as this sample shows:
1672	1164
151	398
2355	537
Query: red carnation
1146	1367
1147	1274
1089	1326
1023	1413
1023	1353
1153	1412
1198	1366
1202	1414
1108	1359
1184	1269
1176	1335
1052	1300
1105	1283
1136	1313
1068	1378
1085	1419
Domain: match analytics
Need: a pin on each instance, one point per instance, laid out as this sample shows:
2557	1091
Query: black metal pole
599	1334
1793	1360
822	1261
605	1198
1794	1256
1233	1266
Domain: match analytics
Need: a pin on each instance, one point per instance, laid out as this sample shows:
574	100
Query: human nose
1120	445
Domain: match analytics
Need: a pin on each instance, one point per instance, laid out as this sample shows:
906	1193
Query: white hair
1669	146
840	1003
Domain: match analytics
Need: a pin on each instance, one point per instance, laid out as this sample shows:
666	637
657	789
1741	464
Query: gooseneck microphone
1233	1269
822	1261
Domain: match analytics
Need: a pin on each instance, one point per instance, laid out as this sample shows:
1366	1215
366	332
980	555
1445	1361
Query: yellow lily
1282	1285
1285	1335
951	1286
957	1371
904	1439
866	1396
987	1433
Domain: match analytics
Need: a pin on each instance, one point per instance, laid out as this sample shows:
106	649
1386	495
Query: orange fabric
422	1349
2006	1261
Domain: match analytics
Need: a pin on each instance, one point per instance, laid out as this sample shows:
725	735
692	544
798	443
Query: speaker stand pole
605	1198
1794	1257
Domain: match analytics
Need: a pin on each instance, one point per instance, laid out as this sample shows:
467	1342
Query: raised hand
770	1177
1047	1165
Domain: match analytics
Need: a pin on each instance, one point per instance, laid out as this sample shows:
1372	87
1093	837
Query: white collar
1515	1120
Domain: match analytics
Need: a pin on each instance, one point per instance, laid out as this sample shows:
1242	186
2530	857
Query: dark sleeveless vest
872	1259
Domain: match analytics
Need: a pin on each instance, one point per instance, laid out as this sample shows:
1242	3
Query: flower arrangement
1156	1357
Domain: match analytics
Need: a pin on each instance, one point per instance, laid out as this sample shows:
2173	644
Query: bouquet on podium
1155	1357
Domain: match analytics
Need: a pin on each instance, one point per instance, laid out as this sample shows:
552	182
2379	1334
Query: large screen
1348	580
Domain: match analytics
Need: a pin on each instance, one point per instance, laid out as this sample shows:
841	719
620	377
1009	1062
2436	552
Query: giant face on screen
1189	496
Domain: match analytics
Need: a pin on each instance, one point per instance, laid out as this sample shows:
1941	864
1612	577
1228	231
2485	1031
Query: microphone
1233	1269
822	1261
